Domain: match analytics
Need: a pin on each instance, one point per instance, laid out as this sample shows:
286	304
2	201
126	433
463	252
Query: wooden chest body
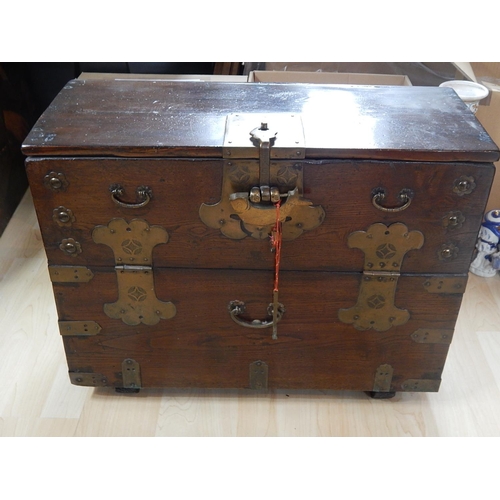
150	285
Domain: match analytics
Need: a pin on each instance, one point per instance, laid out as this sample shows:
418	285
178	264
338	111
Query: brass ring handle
405	196
236	307
144	195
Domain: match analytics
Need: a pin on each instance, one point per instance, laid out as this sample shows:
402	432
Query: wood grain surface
343	188
159	118
36	398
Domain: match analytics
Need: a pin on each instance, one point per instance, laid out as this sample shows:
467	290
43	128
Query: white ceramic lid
467	91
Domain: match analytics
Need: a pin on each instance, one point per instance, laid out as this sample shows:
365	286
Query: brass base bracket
131	374
258	375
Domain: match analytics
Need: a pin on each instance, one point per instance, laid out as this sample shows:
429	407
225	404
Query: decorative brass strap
384	248
132	244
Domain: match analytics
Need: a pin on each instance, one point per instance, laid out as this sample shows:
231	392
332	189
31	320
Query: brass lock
254	181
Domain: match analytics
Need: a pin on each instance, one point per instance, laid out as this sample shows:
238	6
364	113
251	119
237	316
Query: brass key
276	305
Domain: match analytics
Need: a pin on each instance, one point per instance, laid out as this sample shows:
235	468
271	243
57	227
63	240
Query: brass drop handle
236	307
405	196
143	193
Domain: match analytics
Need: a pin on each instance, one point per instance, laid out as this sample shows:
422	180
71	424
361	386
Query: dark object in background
45	80
16	119
26	91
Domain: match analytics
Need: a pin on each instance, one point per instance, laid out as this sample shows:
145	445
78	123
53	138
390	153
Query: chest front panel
446	207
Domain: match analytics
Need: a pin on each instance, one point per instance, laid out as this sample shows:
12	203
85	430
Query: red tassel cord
276	238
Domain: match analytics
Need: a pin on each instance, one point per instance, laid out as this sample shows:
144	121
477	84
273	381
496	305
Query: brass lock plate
289	138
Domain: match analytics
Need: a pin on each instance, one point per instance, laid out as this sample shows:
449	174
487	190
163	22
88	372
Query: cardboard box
321	77
488	74
489	116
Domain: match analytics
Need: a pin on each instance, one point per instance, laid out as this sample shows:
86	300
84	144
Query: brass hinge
88	379
446	284
432	336
384	248
133	269
421	385
70	274
133	242
86	328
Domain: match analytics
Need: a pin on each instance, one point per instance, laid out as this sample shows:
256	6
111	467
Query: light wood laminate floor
37	399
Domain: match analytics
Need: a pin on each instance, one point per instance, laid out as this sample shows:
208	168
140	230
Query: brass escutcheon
448	252
464	185
453	220
63	216
55	181
70	247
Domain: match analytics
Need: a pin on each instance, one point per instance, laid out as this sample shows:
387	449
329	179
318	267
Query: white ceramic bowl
470	92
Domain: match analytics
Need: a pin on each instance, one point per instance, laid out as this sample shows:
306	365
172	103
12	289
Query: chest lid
189	119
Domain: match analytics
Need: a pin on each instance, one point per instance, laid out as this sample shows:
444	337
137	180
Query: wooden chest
258	235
